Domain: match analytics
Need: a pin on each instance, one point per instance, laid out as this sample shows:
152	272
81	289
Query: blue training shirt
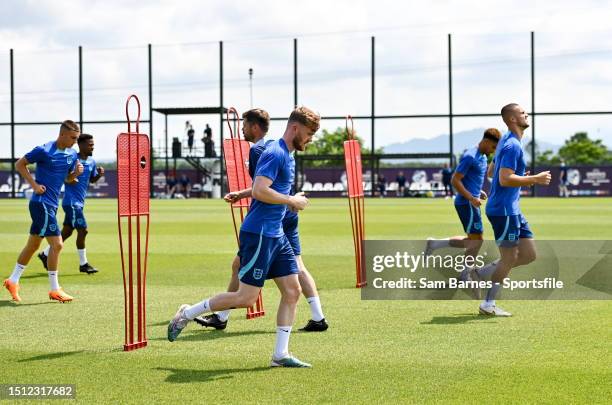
473	167
277	164
74	194
254	155
509	154
52	167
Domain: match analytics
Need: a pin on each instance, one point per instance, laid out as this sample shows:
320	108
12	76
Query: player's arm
22	169
234	196
491	169
508	178
98	176
458	185
72	176
264	193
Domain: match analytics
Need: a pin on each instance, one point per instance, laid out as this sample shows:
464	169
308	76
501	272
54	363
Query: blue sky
490	52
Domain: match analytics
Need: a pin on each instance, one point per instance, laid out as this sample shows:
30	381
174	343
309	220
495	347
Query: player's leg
218	320
256	254
317	323
284	270
43	256
55	291
75	219
527	248
435	244
289	287
12	283
67	229
470	220
43	224
507	232
243	298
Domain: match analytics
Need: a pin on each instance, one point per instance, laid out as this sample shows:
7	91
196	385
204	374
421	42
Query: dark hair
259	117
70	125
84	138
507	109
492	134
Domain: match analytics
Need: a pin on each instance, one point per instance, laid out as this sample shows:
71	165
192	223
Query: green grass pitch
383	351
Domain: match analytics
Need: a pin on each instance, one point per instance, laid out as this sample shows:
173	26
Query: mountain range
439	144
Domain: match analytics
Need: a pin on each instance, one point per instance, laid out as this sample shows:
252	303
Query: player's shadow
10	303
456	319
205	335
35	275
50	356
181	376
162	323
41	275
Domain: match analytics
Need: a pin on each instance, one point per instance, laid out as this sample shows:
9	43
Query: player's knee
511	258
293	293
236	264
57	245
529	256
82	232
246	299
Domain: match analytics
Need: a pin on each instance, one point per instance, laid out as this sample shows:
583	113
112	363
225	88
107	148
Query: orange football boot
12	288
59	295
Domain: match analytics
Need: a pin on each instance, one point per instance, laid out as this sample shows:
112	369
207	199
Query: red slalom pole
133	187
354	177
235	155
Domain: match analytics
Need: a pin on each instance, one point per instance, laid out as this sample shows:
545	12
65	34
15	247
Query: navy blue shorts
264	258
470	218
290	227
44	222
509	229
74	217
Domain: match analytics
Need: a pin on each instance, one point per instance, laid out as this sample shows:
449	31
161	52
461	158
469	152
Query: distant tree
332	143
580	149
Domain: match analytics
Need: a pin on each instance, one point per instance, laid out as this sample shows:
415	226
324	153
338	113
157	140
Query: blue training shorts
508	229
44	222
470	218
290	228
74	217
264	258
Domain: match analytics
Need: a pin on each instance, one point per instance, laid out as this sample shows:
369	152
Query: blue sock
491	293
487	271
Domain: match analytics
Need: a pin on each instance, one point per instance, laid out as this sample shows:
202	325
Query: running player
265	251
73	203
56	162
512	232
255	127
468	180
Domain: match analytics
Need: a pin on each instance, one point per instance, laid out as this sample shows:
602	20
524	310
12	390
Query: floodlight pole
372	119
152	150
450	104
81	87
221	163
12	79
300	174
251	85
295	72
533	118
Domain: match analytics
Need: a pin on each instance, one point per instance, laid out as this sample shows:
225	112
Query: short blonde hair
307	117
70	125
